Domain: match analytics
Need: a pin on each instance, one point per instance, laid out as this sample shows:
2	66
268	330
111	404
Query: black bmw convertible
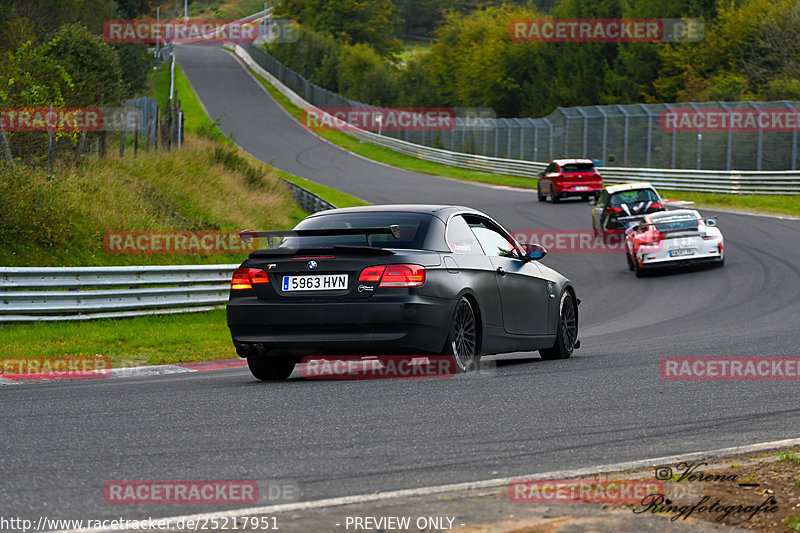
397	279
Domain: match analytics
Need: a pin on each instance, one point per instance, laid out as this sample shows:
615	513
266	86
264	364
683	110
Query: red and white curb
136	371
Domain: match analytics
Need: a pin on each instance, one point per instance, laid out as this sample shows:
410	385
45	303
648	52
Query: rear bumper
671	263
382	324
664	260
570	189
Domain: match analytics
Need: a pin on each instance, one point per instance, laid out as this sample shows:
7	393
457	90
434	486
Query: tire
539	195
553	197
721	262
567	329
639	271
462	338
630	261
271	368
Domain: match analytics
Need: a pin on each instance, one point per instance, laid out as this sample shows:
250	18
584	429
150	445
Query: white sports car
673	238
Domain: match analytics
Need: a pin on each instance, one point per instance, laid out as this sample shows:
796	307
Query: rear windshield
633	196
413	229
675	223
577	167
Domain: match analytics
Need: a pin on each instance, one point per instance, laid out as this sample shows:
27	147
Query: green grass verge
197	120
192	188
783	204
147	340
337	198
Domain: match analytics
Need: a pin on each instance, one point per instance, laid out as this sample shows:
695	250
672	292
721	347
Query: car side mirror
535	251
710	222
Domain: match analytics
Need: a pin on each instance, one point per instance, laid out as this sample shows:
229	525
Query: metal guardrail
306	199
732	182
34	294
81	293
742	182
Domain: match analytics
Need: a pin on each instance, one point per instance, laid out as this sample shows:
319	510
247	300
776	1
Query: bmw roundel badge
312	265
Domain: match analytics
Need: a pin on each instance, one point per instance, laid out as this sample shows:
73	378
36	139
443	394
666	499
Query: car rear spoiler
705	220
248	235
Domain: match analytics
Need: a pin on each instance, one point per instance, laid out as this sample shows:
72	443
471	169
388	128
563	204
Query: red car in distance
569	177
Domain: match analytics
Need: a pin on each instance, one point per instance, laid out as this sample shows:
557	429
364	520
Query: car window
633	196
460	238
493	242
413	230
603	198
675	223
578	167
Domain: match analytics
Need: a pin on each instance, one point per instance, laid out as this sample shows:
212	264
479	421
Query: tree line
750	50
52	53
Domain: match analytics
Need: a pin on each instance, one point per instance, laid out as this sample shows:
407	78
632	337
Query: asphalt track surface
62	442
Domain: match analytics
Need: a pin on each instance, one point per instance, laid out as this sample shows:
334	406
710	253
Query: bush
372	22
315	55
416	84
136	63
92	64
364	76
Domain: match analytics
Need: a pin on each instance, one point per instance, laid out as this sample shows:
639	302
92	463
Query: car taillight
372	273
394	275
403	276
245	278
613	210
652	238
709	237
